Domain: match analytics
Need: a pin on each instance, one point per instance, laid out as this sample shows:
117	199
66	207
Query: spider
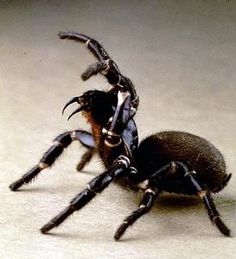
171	161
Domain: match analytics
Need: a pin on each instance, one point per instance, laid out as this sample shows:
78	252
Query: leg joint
43	165
64	139
50	156
123	160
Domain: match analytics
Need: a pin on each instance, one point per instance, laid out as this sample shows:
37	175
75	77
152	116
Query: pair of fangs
78	100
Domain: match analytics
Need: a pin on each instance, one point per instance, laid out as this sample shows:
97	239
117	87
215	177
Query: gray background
181	56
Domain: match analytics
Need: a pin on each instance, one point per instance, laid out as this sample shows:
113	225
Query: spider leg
213	213
95	47
97	185
86	139
60	143
144	207
105	65
151	193
85	159
94	69
207	198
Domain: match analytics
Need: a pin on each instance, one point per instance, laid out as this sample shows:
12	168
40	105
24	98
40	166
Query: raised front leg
60	143
105	65
127	99
97	185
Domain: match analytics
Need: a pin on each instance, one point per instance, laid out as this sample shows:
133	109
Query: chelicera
171	161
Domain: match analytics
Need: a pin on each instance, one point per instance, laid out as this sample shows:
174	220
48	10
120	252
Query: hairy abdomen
196	152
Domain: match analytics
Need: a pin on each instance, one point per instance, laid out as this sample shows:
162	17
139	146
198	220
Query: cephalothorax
169	161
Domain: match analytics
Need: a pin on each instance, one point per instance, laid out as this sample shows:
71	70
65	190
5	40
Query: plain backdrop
181	56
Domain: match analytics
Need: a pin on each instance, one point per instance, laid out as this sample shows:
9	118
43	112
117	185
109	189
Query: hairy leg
97	185
208	201
61	142
85	159
144	207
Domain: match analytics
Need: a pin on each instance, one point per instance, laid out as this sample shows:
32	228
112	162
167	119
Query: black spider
169	161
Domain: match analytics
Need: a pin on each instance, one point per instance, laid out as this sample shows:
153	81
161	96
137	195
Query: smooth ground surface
181	55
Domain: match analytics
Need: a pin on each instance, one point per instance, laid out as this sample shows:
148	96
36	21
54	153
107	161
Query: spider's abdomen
197	153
